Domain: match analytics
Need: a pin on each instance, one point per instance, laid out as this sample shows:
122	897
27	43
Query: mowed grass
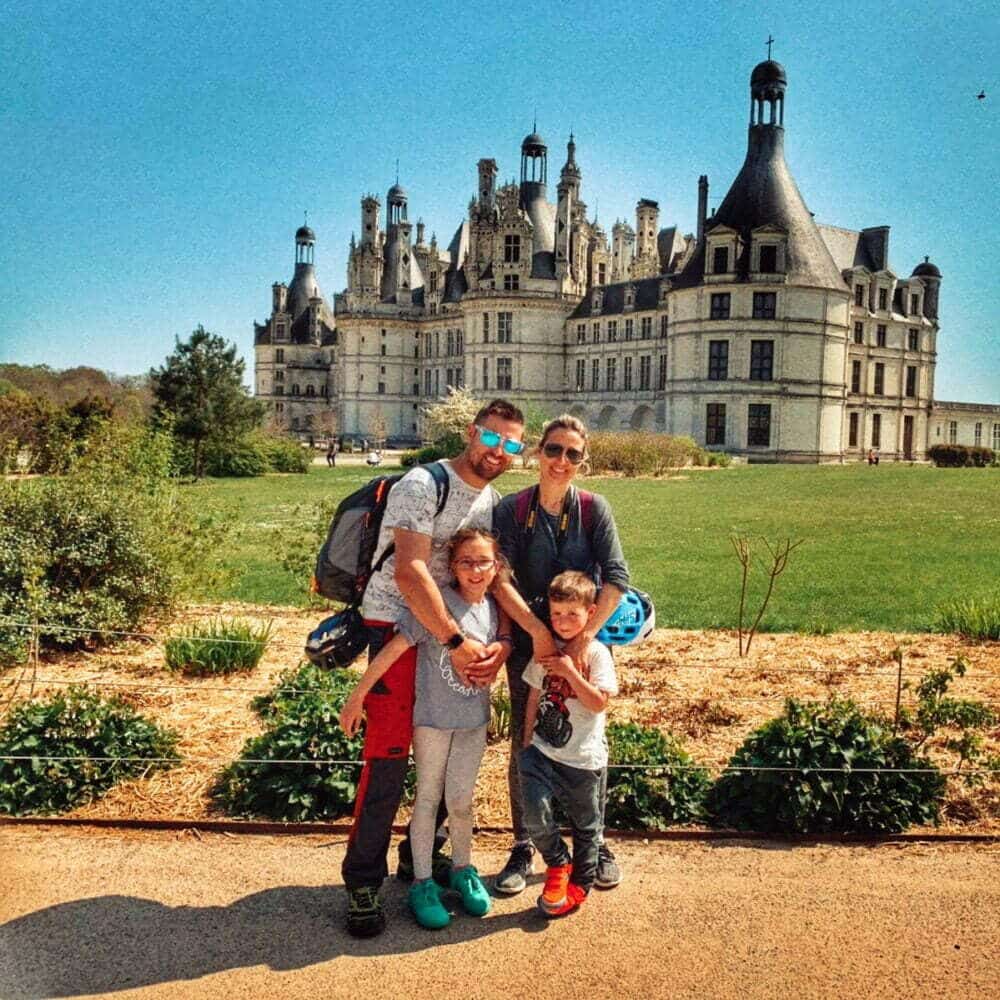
881	547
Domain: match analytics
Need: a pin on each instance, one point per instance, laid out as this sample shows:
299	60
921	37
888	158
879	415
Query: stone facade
764	334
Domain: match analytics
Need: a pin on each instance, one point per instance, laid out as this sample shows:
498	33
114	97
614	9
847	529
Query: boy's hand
560	665
351	714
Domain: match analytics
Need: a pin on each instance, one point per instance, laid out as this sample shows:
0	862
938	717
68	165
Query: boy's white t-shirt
565	731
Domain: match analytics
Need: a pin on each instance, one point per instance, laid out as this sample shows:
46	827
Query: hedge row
957	456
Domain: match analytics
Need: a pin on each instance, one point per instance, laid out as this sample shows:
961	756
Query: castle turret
401	274
930	275
622	250
647	220
487	185
569	192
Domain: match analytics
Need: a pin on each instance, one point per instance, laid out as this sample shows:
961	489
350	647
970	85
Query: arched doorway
643	419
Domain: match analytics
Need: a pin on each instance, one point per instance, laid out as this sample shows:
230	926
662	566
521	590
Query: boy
565	751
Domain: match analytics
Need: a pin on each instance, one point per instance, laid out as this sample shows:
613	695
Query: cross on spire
397	169
770	42
306	214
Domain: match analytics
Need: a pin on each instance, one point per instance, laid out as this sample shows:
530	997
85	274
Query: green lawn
881	547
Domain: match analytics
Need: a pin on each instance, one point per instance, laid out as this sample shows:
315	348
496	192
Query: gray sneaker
513	878
608	872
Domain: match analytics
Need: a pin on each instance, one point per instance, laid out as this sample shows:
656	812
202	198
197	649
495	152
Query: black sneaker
440	863
365	918
513	878
608	872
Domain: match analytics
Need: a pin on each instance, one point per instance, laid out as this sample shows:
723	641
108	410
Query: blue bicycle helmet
633	620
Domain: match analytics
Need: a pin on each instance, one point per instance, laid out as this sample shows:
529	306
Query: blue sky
159	157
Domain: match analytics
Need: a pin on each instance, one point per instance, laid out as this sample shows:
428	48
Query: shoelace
556	881
364	899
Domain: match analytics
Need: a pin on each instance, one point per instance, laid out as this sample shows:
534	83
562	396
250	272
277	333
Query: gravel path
192	916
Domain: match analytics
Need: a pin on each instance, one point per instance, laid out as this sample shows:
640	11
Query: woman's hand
352	713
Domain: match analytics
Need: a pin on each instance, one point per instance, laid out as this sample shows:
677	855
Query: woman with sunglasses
543	531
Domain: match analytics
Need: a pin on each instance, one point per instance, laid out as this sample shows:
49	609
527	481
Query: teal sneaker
426	905
475	899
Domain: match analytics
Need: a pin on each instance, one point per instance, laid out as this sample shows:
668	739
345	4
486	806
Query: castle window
914	305
645	368
595	375
759	425
279	407
883	298
383	350
505	327
612	330
911	380
646	328
279	390
295	423
279	355
486	373
718	360
381	369
381	388
761	360
279	332
996	437
597	333
859	295
627	375
764	305
323	391
512	248
310	390
856	376
913	340
978	435
437	343
663	325
437	381
952	432
880	335
295	388
433	279
720	260
661	381
610	374
876	430
511	282
459	342
859	333
427	382
602	273
629	328
715	423
503	373
279	376
581	374
768	259
879	389
486	328
852	430
581	333
720	305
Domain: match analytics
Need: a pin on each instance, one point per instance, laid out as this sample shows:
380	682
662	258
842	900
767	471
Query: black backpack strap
442	483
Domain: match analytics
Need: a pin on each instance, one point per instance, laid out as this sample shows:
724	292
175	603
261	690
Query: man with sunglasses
412	578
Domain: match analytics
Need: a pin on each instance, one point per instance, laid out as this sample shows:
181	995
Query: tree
200	390
378	427
445	422
327	423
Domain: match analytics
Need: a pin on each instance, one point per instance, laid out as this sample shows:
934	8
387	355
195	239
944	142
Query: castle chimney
702	205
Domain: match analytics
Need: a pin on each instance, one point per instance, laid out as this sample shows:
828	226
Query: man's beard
486	471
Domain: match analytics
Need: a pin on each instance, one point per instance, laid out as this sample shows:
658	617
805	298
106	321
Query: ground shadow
108	943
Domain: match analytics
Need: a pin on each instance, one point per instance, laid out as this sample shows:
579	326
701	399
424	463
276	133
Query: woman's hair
464	535
565	422
573	587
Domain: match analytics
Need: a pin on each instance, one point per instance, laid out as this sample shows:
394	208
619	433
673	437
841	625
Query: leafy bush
286	455
957	456
431	453
242	457
301	714
971	617
636	453
651	799
218	647
500	715
75	723
808	739
98	549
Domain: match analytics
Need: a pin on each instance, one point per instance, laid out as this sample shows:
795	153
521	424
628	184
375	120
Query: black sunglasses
573	455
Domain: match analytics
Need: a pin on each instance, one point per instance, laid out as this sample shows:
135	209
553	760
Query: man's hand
560	665
469	652
484	672
542	645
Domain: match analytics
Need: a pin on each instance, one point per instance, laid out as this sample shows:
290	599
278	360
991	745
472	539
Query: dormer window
720	260
859	295
595	302
914	305
511	248
768	263
883	298
629	297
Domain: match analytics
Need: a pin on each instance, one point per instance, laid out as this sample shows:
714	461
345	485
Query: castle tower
366	262
401	273
568	196
487	185
647	220
622	251
930	275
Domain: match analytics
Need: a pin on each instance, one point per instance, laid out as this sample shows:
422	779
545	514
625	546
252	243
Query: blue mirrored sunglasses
491	439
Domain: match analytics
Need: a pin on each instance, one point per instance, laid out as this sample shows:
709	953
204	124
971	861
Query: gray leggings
447	761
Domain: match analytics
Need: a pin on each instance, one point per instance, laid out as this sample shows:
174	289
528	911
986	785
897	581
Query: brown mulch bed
692	683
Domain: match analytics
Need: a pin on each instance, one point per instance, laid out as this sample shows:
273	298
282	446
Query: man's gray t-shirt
412	506
443	701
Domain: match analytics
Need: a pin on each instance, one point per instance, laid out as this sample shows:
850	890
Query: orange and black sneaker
575	895
553	896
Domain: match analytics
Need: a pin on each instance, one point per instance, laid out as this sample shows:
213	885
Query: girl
449	725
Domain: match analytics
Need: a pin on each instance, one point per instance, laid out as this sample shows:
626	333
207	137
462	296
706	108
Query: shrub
286	455
242	457
430	453
636	453
956	456
301	714
75	723
217	647
500	715
808	739
651	799
971	617
100	549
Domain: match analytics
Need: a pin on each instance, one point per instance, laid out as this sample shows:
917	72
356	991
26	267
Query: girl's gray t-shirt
443	701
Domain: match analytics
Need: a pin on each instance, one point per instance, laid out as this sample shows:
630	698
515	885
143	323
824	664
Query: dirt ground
691	683
193	916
